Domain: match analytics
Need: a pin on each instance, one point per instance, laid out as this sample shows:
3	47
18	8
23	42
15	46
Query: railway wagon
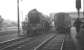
36	23
62	22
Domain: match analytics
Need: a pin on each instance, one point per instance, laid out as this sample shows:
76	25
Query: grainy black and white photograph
41	24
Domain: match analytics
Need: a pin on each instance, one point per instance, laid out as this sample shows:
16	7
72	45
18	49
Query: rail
58	43
14	42
63	42
45	41
62	45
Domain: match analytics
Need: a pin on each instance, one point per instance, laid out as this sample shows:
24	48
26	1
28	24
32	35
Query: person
77	24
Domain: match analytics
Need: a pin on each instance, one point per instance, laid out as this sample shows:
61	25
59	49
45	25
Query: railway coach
62	22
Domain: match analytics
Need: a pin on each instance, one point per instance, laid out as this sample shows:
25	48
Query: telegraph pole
18	17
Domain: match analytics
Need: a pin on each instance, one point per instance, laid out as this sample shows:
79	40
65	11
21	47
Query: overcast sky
8	8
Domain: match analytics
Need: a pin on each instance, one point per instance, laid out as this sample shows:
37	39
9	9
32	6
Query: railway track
13	42
55	43
30	46
22	45
60	42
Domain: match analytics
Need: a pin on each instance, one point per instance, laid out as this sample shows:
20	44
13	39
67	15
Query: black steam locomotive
36	24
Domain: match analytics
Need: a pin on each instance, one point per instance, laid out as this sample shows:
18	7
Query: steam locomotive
36	24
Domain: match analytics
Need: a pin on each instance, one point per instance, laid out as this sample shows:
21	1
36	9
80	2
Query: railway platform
73	35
